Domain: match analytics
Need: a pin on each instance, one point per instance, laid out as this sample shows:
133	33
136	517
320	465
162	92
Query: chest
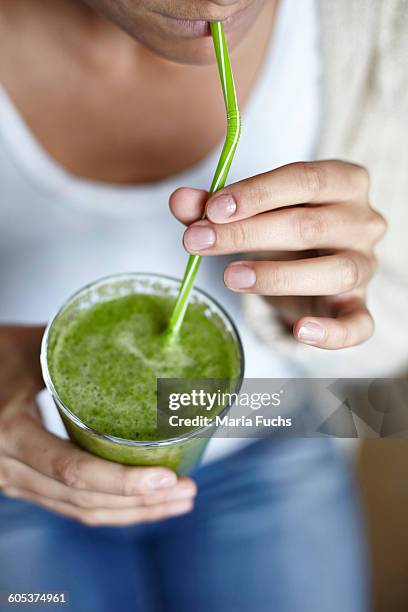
120	132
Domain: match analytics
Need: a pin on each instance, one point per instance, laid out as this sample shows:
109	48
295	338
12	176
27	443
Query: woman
105	109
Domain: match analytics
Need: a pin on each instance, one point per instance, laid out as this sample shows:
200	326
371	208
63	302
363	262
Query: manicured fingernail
159	481
199	238
221	208
239	277
311	333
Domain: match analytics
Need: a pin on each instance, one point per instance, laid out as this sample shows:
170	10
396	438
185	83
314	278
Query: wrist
20	359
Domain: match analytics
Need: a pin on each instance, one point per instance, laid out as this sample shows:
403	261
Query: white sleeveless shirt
59	232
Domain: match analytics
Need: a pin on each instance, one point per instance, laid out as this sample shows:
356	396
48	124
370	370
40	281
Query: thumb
188	205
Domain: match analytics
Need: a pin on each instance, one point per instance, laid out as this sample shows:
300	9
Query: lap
101	569
276	526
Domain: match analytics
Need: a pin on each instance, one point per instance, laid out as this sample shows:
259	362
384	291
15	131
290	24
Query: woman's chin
195	52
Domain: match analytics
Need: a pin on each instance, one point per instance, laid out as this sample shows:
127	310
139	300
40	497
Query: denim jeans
276	528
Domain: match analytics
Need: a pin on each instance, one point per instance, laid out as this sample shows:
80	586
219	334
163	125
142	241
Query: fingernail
239	277
179	508
199	238
311	333
221	208
158	481
186	493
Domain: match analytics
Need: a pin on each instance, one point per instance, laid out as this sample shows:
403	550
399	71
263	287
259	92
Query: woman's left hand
318	231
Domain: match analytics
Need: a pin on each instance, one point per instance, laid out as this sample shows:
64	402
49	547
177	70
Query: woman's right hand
37	466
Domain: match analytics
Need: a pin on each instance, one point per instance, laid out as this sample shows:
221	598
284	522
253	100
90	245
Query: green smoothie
104	351
106	361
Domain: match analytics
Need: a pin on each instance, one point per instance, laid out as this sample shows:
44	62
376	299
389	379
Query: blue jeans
276	528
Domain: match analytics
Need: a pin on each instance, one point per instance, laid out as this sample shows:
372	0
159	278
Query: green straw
222	171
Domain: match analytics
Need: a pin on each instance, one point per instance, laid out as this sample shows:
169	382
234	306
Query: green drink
104	351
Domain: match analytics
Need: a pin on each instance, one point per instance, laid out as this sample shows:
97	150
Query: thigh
276	527
101	569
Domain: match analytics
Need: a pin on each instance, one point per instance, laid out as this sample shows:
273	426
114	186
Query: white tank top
59	232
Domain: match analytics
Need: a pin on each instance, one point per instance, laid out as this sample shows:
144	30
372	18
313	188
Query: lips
195	28
191	27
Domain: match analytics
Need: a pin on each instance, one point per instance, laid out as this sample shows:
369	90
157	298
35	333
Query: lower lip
189	28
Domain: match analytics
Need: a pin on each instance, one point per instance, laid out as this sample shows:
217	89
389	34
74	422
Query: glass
181	453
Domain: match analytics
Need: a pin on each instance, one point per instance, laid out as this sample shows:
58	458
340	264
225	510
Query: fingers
353	325
303	182
18	475
317	207
98	517
298	183
187	205
328	275
296	229
68	483
60	460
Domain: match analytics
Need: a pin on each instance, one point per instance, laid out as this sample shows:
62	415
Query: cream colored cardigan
365	55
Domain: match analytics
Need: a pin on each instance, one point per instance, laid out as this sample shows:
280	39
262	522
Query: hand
39	467
315	222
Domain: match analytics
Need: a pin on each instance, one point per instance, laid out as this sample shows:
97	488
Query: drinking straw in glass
223	167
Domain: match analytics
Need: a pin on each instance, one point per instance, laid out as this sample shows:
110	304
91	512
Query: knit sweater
365	120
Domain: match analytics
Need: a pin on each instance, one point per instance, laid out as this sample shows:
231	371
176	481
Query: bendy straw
222	171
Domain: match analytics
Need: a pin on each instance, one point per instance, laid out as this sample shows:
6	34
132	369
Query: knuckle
377	225
238	235
67	468
311	226
256	194
311	178
348	273
277	281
